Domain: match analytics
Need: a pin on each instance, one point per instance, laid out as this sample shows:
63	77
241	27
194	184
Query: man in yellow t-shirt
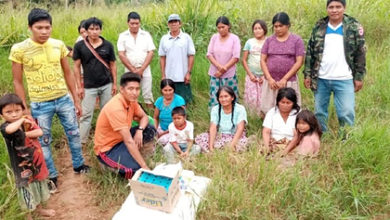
43	61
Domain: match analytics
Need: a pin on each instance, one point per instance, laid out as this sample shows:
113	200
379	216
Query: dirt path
74	199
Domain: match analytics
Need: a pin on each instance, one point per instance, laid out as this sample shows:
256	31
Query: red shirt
26	156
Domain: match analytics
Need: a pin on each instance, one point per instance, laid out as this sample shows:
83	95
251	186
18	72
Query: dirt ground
74	198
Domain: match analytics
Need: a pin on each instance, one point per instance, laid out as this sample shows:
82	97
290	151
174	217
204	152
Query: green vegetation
349	180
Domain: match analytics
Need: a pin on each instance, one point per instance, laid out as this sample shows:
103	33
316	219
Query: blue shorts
120	158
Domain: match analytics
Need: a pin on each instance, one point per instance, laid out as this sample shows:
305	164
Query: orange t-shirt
115	115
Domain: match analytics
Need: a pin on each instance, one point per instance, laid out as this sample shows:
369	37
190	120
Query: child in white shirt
181	137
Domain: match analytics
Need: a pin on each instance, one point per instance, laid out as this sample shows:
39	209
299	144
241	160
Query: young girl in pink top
308	132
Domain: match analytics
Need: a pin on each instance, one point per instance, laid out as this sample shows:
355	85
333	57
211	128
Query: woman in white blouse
279	122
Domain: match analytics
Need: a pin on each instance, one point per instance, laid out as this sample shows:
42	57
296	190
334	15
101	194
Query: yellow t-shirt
42	68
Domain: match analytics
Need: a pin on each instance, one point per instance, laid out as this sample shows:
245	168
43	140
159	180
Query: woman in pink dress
223	53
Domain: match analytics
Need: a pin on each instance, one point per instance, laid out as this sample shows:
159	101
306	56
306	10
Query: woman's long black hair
230	91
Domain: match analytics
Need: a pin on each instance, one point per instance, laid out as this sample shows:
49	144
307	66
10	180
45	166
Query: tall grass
349	180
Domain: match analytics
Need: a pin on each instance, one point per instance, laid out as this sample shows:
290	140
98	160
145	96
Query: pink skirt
252	95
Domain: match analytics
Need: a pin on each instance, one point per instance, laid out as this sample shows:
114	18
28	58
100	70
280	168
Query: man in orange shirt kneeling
117	144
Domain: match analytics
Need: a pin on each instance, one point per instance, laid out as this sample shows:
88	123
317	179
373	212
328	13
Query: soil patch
75	197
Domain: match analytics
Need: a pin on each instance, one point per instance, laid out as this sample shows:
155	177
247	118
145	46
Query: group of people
125	134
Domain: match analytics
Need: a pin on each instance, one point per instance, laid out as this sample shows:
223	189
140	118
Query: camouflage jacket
354	48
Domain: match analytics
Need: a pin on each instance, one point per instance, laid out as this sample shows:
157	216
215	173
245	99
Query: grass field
349	180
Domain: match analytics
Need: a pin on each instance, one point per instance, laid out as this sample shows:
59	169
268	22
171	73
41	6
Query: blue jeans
64	108
344	101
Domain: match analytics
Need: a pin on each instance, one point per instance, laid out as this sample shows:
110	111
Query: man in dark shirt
97	57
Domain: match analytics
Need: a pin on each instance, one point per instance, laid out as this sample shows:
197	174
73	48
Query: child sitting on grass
27	161
181	137
308	135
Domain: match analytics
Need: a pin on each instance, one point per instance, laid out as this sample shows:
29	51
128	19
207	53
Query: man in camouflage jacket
335	62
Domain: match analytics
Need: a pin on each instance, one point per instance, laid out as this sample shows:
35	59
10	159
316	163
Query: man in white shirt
135	49
177	53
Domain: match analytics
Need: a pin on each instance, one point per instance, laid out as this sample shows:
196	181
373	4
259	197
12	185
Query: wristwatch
141	128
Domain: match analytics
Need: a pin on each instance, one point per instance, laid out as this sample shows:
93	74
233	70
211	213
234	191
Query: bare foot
47	212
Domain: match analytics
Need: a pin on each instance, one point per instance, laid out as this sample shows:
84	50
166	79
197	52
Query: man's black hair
9	99
38	14
129	77
343	2
93	21
133	15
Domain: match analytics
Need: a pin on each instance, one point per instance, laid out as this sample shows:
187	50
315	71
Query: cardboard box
155	196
